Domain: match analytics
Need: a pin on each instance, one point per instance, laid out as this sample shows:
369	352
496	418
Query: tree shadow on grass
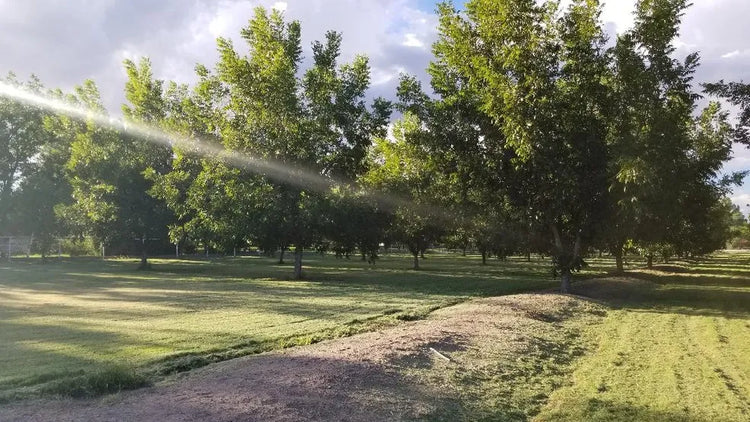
669	292
609	411
56	349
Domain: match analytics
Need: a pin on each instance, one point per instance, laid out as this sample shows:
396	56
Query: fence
15	245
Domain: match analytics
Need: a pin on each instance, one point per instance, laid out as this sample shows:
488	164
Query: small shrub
413	316
106	381
78	247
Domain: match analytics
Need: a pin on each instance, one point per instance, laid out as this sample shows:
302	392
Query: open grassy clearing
527	341
668	344
66	320
676	347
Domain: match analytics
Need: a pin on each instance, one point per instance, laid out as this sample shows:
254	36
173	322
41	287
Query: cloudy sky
67	41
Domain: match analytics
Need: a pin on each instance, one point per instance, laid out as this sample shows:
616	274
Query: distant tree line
539	135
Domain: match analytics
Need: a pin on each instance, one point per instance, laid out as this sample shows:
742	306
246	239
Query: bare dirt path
351	379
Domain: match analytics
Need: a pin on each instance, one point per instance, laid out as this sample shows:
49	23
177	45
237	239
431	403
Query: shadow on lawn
607	410
440	276
684	289
54	313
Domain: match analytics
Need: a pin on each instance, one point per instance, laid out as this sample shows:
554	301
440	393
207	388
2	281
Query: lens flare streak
279	172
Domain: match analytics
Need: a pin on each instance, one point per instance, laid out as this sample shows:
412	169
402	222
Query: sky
64	42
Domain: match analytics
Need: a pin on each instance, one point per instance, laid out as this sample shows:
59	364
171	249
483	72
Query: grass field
675	347
669	344
71	318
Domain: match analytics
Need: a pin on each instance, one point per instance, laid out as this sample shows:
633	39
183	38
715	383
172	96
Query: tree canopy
538	135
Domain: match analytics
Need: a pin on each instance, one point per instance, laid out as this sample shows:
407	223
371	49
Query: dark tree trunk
416	260
484	257
144	254
618	262
565	281
617	252
650	261
281	256
528	256
567	261
298	263
463	252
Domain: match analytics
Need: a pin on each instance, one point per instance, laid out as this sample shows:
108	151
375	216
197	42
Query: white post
10	244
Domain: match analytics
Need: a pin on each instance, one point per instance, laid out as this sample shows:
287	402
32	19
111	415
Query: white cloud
411	40
280	6
742	201
736	53
620	13
385	76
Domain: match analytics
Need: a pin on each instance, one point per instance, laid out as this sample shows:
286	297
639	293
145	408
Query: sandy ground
350	379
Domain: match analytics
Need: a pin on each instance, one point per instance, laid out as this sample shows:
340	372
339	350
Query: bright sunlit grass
677	350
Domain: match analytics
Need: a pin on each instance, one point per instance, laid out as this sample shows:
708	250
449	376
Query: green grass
675	347
72	319
672	344
508	376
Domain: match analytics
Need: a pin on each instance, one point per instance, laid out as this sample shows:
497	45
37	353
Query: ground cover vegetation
71	320
661	344
664	344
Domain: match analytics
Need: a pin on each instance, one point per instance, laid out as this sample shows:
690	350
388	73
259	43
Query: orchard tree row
537	135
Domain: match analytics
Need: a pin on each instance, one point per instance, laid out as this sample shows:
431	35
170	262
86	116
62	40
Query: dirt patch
360	378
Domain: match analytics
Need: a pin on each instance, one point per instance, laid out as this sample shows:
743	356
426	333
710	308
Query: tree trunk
416	260
484	257
528	256
618	253
281	256
565	281
144	254
463	252
650	261
618	261
298	263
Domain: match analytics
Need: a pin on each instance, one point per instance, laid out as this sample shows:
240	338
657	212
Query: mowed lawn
675	347
674	344
76	316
